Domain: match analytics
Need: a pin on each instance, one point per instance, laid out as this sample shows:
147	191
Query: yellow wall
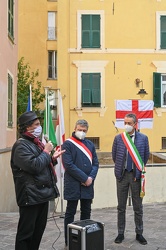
33	43
129	49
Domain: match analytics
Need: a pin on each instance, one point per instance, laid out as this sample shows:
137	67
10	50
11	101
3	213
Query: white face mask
37	131
128	128
80	135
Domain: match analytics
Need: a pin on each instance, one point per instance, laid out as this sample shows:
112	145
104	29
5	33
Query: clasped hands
88	182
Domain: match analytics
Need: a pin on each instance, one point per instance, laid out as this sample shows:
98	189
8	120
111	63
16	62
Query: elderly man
34	178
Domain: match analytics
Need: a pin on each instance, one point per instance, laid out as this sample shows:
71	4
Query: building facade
97	52
8	99
114	50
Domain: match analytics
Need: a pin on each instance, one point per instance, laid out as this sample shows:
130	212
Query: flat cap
27	117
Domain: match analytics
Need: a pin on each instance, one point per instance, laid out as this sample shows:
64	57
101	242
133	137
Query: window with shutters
90	31
11	19
159	89
10	101
161	30
91	96
90	86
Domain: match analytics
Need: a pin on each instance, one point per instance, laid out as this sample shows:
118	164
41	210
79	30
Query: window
52	64
53	99
91	90
163	142
91	31
10	101
52	32
95	141
163	32
90	82
159	89
11	18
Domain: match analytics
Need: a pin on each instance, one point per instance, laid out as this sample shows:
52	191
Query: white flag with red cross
143	109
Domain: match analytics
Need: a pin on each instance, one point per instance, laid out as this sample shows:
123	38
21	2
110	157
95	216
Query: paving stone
53	238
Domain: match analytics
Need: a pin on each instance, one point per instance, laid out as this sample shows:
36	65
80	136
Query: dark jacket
33	178
77	170
119	152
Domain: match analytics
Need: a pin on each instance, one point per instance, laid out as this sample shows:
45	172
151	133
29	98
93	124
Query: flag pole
61	173
30	90
46	109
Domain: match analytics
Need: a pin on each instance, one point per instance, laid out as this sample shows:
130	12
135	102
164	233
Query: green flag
48	124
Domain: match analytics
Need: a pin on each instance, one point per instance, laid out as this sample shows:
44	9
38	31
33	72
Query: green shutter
85	31
86	89
96	99
163	32
157	89
91	93
90	31
95	31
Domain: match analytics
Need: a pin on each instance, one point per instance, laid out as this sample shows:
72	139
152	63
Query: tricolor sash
132	150
82	147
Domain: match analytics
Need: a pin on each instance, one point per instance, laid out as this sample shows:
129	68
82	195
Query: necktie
129	161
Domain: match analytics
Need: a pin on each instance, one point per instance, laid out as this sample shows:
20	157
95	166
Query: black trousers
31	226
85	212
122	195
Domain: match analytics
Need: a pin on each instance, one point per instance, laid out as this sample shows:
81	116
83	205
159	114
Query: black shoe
141	239
119	238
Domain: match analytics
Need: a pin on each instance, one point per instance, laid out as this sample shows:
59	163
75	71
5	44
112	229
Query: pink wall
8	63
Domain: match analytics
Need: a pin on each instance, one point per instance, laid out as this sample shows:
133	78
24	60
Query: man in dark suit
81	167
128	175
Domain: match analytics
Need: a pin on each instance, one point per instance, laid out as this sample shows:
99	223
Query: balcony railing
52	33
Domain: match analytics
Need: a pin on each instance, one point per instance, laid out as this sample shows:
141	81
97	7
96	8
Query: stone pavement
53	238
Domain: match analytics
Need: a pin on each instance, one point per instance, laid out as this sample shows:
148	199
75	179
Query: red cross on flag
143	109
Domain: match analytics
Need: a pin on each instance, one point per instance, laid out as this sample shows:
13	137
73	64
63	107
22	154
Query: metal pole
30	96
60	143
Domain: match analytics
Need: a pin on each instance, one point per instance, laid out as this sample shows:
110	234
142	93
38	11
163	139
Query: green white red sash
82	147
132	150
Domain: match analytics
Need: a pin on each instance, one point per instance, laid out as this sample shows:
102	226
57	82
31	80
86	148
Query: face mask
128	128
80	135
37	131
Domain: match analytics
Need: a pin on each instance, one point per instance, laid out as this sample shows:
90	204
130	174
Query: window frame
10	100
11	19
158	89
91	67
53	65
79	29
